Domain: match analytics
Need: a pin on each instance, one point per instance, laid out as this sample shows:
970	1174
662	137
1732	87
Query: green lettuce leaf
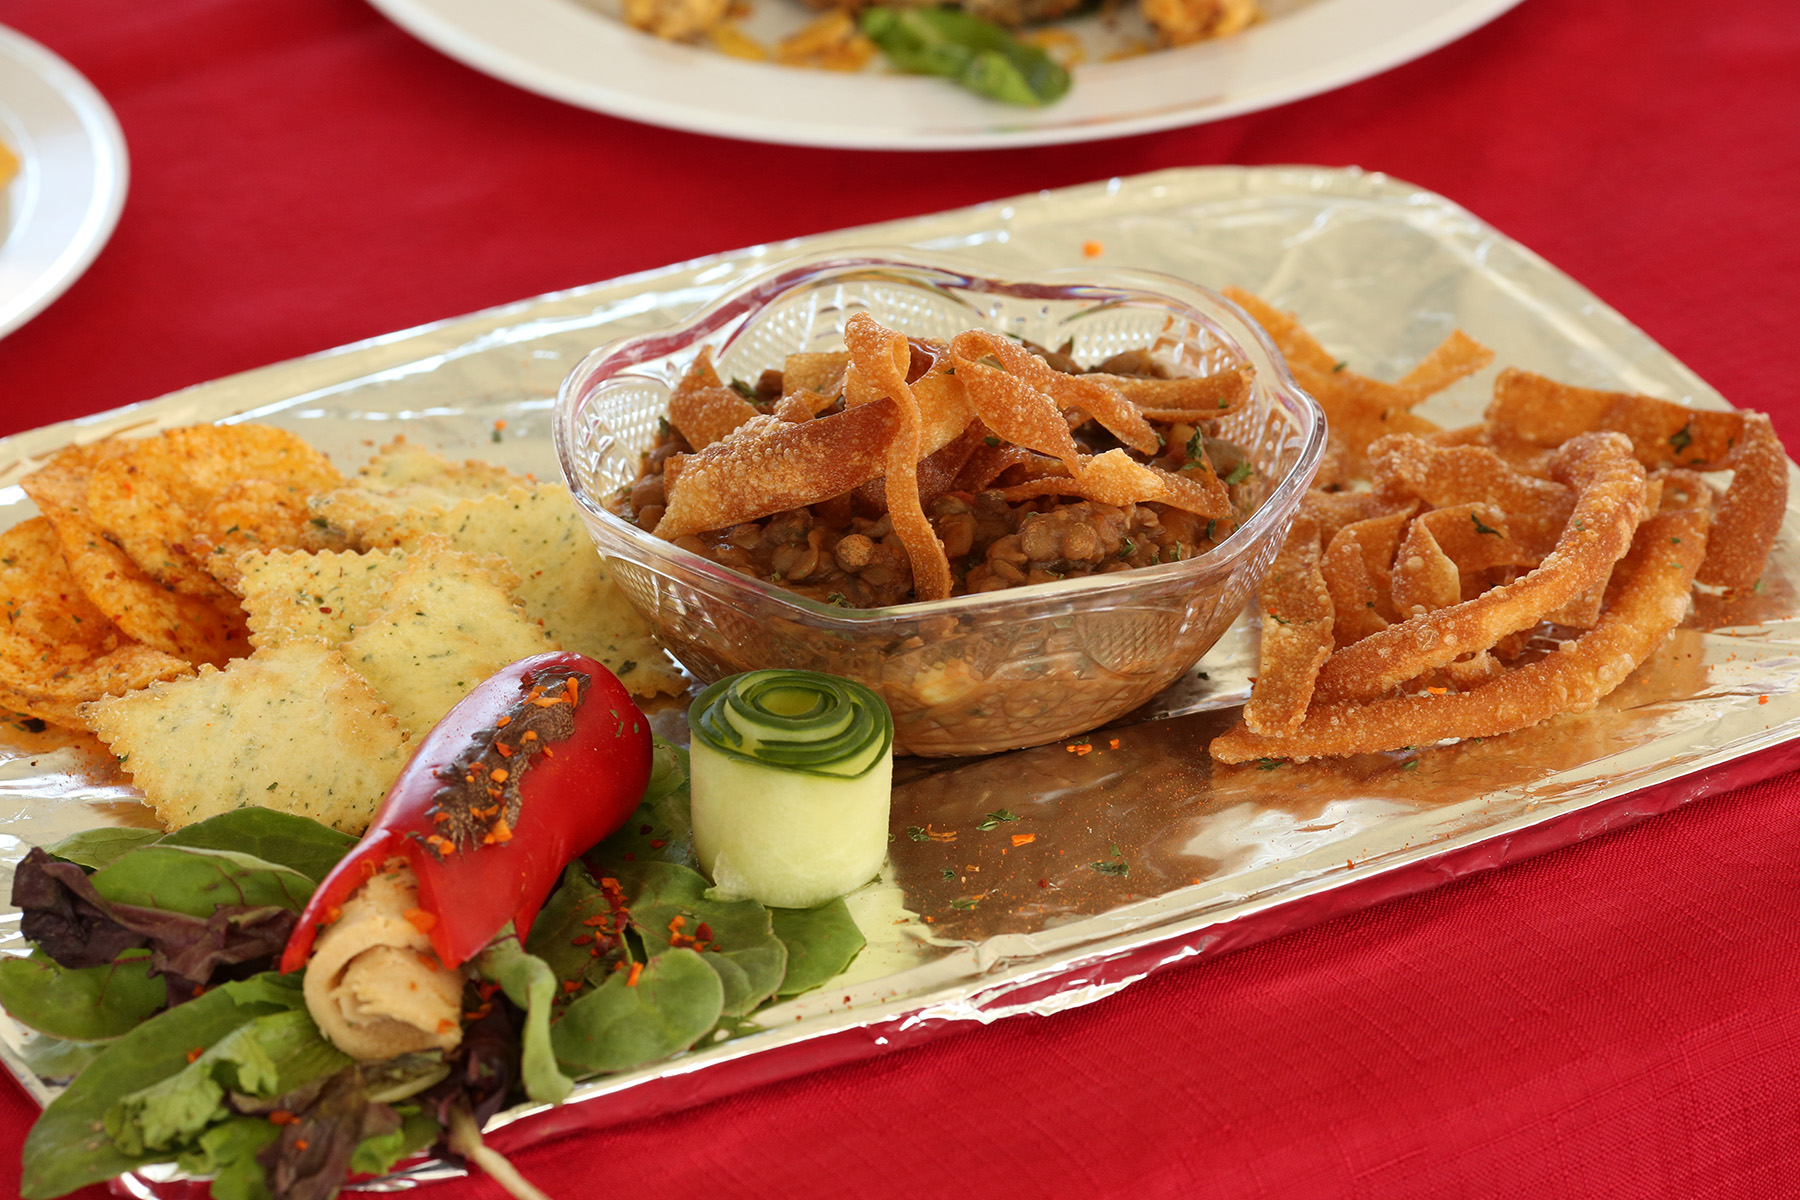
676	999
84	1004
529	983
68	1147
196	881
95	848
743	949
299	843
267	1056
821	943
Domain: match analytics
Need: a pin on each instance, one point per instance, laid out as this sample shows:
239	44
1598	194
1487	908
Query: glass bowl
970	674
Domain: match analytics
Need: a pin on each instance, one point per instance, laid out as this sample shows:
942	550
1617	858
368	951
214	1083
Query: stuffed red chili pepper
534	766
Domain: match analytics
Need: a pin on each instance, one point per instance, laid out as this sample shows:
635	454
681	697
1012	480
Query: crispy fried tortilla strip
1358	569
1118	479
1092	394
1296	633
1187	398
1651	600
1444	546
769	466
882	357
703	408
1534	410
1361	410
1750	515
1610	490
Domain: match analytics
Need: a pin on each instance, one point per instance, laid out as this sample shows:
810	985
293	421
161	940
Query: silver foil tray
982	917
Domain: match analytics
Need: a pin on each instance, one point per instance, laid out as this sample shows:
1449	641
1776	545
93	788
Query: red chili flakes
499	774
282	1116
420	920
1022	839
1762	699
194	1054
637	968
503	750
570	985
581	939
657	843
333	914
446	1025
502	721
1092	248
703	932
301	1144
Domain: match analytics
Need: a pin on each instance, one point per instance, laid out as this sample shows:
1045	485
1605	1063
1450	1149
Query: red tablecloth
1621	1018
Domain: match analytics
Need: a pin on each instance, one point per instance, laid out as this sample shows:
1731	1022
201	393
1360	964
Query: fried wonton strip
1334	510
1750	515
703	408
1199	397
1297	638
1445	544
821	373
1358	569
988	463
1651	601
1609	485
1454	358
1532	409
1543	412
1092	394
1359	409
1017	412
882	357
1116	478
769	466
1411	468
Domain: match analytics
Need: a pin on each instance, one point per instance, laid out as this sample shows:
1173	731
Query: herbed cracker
444	625
290	728
403	478
563	583
291	595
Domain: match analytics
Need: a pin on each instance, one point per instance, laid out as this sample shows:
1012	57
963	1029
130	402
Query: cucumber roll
791	774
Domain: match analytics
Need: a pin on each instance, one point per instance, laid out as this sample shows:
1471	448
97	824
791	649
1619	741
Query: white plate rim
73	172
559	49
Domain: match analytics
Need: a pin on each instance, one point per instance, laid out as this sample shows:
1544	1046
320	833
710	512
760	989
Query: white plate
62	206
568	52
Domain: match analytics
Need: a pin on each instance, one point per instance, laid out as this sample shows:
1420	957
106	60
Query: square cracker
291	728
445	623
563	583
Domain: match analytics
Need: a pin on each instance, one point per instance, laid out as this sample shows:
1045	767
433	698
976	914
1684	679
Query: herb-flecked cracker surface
562	581
290	728
400	479
445	624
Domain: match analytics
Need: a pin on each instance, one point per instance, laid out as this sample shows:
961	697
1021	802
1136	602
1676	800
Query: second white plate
62	206
568	52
